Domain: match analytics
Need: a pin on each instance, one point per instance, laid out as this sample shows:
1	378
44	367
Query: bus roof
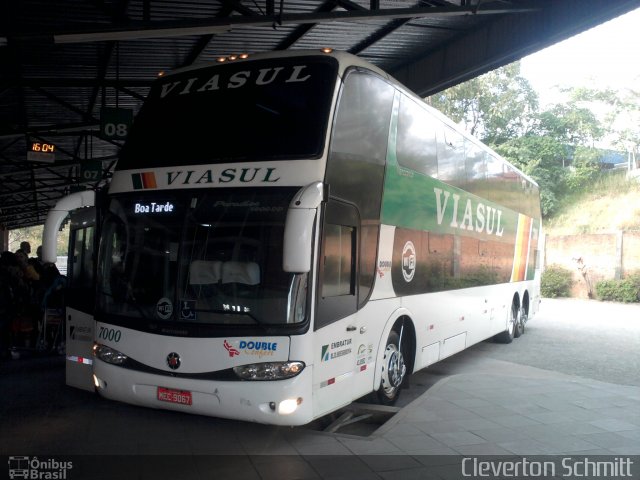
347	60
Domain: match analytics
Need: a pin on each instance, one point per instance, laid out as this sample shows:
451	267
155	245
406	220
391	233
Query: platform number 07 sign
115	122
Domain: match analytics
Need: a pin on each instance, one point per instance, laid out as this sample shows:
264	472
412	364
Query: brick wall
594	257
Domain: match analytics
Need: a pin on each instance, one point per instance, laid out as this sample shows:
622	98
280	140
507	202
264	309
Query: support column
4	236
619	251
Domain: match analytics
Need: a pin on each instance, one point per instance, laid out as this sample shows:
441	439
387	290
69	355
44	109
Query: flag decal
144	180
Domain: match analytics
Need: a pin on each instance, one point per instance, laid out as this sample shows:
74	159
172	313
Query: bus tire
519	325
394	370
509	334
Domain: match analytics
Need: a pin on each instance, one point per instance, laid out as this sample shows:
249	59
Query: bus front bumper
281	402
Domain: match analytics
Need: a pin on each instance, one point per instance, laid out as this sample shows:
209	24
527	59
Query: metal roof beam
42	188
62	102
237	6
6	206
176	28
49	129
379	35
302	30
25	214
54	82
9	176
119	14
204	40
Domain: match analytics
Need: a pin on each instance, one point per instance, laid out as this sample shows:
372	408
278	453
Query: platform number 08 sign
115	122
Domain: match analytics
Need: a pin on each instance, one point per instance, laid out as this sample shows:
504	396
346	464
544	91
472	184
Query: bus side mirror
298	229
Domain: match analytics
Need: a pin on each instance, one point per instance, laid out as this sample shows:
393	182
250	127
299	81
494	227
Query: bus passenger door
79	299
335	345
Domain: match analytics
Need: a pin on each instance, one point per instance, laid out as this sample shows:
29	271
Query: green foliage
608	202
540	157
585	168
626	290
556	281
554	146
33	235
570	123
494	107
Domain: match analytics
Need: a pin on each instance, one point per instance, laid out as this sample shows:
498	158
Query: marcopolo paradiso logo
38	469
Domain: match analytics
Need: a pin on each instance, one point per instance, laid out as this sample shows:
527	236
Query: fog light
99	383
289	405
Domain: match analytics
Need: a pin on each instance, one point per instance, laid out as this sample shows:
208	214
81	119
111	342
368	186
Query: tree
33	235
494	107
572	122
584	168
541	158
556	147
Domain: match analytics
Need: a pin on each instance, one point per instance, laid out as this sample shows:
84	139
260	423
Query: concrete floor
473	405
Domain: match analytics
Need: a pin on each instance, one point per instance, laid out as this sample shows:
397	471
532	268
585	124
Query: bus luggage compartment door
79	364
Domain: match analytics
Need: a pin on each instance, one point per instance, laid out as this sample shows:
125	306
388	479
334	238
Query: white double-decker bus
287	232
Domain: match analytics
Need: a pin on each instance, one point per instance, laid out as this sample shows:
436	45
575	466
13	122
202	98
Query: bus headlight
269	370
108	354
288	406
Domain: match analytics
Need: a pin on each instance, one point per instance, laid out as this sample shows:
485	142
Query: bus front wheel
394	370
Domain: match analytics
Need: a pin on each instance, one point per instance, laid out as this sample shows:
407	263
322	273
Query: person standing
25	247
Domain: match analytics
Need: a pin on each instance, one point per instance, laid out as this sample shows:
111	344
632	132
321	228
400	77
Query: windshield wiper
267	109
129	300
231	312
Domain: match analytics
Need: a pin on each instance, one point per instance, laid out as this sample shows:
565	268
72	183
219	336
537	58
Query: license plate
182	397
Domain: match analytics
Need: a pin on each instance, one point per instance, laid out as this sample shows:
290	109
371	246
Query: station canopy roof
65	63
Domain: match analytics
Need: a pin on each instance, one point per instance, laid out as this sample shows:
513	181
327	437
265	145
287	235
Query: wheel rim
517	321
512	323
394	370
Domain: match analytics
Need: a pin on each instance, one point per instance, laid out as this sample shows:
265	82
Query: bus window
80	292
358	135
275	118
337	298
475	168
416	143
82	261
451	168
495	172
475	165
338	261
355	167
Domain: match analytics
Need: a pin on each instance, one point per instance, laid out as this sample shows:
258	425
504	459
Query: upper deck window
237	112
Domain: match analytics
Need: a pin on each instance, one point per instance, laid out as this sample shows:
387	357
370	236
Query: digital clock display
43	147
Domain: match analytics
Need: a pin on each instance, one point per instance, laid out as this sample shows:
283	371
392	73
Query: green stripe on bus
419	202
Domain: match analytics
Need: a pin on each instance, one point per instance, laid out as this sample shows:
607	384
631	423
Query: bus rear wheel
510	333
519	323
394	371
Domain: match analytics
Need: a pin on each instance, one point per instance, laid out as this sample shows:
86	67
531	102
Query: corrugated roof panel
337	35
246	39
172	9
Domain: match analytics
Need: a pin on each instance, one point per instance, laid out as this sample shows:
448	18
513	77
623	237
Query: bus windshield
190	257
245	111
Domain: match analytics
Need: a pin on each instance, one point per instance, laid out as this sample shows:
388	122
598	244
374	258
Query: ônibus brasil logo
37	469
